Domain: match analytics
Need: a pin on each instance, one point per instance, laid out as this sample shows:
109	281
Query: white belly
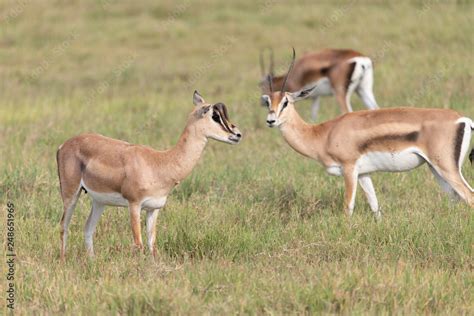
113	198
386	161
116	199
324	87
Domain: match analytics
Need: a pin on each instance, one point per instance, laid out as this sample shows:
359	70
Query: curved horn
262	64
270	82
271	62
288	73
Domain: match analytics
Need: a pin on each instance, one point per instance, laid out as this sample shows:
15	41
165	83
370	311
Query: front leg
151	217
343	98
134	209
350	181
315	108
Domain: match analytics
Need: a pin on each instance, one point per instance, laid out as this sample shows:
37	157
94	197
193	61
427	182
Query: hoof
378	216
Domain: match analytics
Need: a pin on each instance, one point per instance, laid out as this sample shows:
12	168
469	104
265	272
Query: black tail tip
471	156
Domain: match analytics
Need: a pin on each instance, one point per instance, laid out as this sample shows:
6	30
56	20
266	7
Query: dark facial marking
349	74
223	118
458	143
410	137
471	156
215	117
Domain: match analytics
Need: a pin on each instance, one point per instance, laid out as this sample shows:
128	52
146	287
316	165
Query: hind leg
451	176
365	90
445	186
69	206
368	188
343	99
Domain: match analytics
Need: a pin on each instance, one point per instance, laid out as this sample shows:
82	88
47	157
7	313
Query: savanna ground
256	228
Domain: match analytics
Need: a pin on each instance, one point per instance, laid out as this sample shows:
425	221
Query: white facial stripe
280	106
221	122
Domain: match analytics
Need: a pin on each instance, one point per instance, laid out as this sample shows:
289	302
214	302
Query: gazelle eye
284	104
264	101
215	117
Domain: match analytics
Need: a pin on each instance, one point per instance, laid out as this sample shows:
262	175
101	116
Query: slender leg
134	209
315	108
151	217
368	188
445	186
89	229
453	178
365	90
368	98
350	181
342	100
69	206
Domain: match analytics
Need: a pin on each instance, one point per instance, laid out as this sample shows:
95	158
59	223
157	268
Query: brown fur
136	172
311	67
343	140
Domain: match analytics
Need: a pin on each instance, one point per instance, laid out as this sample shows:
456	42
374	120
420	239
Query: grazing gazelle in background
356	144
337	72
114	172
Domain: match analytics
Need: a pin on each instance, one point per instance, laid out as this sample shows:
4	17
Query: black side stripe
410	137
458	143
349	74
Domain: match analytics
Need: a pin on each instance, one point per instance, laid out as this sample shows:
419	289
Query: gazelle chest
153	203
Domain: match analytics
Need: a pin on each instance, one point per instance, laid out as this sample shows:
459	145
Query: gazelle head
279	103
213	122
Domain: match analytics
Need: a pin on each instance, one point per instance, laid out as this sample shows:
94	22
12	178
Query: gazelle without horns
114	172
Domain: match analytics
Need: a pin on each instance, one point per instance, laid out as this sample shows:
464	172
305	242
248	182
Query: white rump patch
468	125
362	65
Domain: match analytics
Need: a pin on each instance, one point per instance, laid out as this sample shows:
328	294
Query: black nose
270	121
238	135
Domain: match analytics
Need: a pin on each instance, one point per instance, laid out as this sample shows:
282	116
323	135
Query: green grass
256	228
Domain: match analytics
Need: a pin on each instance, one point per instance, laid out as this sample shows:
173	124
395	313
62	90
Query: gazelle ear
303	93
265	100
202	111
198	99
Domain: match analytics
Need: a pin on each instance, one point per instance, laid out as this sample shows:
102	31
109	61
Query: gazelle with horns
114	172
356	144
337	72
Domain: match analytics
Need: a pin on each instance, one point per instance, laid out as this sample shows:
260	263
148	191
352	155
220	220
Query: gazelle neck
184	156
305	138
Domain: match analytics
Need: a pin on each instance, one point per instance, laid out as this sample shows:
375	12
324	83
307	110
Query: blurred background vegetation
256	228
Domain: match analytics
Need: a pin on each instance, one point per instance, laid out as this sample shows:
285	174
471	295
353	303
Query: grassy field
256	228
